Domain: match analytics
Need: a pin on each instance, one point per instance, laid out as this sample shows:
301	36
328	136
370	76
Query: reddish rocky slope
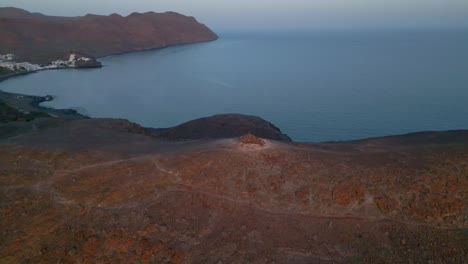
40	39
100	191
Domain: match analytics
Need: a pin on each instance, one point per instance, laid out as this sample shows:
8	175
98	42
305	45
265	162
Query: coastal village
8	62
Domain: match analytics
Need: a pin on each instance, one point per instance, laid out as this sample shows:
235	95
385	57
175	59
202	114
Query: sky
275	14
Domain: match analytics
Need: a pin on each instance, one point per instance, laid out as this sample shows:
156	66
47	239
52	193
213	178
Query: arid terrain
104	191
38	38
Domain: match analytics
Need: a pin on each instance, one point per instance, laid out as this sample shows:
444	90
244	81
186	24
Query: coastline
158	48
35	101
11	75
29	103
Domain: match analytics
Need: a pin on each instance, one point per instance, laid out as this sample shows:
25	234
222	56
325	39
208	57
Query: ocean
315	86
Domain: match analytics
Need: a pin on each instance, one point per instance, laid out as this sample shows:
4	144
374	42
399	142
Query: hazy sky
275	14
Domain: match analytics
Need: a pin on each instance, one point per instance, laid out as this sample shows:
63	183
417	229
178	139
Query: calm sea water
315	86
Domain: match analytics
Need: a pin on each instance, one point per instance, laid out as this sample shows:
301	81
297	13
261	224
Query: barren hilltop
38	38
78	190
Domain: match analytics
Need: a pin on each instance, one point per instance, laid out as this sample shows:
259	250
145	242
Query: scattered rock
348	192
386	204
251	139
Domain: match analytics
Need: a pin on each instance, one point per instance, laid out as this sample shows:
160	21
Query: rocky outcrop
40	39
251	139
222	126
87	63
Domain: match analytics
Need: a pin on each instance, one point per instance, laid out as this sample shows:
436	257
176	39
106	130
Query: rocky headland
221	126
33	41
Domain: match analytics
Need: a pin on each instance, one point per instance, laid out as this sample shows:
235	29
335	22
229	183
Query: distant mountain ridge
13	12
38	38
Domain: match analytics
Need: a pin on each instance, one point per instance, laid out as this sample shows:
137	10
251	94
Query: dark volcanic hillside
222	126
38	38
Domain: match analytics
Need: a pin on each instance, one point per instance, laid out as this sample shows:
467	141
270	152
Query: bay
315	86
